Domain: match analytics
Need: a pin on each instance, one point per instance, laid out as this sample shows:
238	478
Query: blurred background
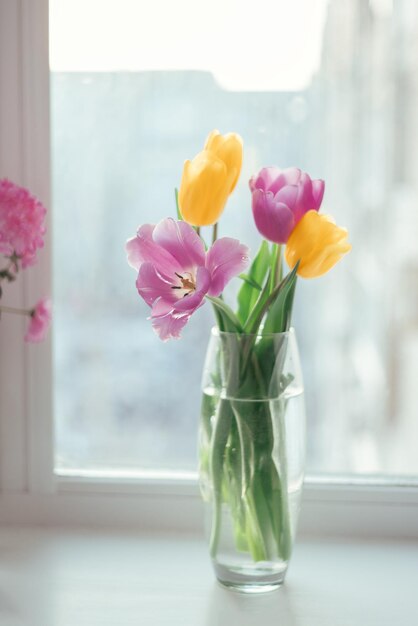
329	86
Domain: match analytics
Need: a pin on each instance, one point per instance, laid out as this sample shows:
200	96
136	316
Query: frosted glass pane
122	125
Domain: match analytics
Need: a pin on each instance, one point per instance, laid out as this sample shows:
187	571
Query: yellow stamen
187	284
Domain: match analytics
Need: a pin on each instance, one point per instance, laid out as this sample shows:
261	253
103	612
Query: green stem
176	196
219	440
11	309
266	497
257	535
215	232
265	300
247	452
218	317
258	531
245	472
285	539
279	265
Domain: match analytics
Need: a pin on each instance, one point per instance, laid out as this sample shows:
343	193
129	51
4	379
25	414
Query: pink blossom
280	198
175	272
21	222
40	319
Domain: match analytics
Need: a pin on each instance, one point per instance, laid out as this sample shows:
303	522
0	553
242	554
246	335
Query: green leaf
249	292
250	281
280	312
225	317
220	434
270	353
176	194
257	312
276	266
246	446
265	301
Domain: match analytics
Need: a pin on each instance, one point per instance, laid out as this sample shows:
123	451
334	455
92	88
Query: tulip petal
291	187
181	241
304	201
265	178
317	243
209	178
167	323
229	149
225	259
318	189
161	307
213	141
133	246
288	176
321	263
175	273
204	189
274	220
143	249
287	195
151	285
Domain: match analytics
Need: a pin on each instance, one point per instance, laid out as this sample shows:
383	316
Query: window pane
334	92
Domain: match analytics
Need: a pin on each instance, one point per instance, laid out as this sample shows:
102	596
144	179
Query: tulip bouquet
22	229
177	272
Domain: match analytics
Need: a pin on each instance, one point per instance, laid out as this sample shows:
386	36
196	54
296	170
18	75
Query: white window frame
30	491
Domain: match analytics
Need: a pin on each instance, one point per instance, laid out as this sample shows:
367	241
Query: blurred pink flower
21	222
280	198
175	272
40	319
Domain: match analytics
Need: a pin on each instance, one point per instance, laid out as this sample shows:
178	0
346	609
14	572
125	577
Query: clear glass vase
252	456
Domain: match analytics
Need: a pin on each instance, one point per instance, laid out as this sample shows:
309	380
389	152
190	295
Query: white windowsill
61	577
364	510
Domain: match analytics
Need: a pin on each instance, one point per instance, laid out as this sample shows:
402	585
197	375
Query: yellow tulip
228	148
210	178
317	243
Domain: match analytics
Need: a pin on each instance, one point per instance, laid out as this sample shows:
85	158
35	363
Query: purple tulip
280	198
175	272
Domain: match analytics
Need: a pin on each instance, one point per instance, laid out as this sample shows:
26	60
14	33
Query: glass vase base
254	582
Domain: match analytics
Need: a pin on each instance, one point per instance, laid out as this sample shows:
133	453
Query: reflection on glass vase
252	456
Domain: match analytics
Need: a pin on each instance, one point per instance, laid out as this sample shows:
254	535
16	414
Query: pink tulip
175	272
280	198
39	322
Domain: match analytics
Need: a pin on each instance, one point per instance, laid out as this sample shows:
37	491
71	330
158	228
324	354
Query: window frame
30	491
26	456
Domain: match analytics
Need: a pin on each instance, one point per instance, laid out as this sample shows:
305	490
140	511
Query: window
29	490
125	116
